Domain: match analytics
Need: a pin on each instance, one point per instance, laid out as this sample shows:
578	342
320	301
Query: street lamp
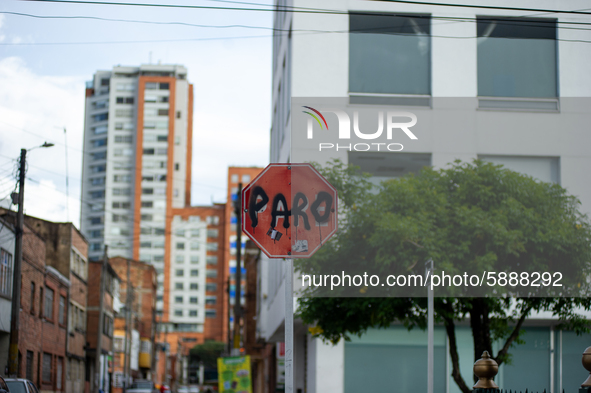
45	144
18	257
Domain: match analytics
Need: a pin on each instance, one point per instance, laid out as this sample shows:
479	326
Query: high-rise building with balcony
136	192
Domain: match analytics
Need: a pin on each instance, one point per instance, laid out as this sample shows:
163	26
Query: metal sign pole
260	223
430	327
289	326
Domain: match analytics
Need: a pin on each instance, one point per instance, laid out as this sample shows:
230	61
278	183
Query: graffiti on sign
287	209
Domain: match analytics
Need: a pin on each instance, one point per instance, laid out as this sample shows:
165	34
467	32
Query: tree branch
413	243
486	327
502	354
453	350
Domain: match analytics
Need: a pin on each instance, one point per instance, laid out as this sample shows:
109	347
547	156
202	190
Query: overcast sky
44	63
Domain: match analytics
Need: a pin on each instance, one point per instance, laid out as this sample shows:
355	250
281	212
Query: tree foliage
469	217
208	353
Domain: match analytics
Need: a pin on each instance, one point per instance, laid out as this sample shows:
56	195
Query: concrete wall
7	243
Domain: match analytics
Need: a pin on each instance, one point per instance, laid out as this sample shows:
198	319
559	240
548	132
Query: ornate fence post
485	369
586	386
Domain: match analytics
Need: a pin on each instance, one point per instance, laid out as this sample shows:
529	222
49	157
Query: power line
83	151
178	6
261	36
315	11
278	9
136	21
144	224
131	42
433	17
551	24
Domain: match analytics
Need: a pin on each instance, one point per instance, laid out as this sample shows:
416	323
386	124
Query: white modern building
505	82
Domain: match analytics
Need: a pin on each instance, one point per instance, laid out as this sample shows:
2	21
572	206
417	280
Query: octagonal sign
289	210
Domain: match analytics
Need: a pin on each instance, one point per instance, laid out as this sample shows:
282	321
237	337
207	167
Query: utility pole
238	292
99	338
127	349
16	281
429	270
229	327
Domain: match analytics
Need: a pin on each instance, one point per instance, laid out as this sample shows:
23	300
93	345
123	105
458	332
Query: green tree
469	217
208	353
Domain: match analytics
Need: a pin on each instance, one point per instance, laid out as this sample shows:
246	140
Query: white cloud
220	141
33	109
45	200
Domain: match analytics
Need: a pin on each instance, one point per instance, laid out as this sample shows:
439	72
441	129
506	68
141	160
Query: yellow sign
234	375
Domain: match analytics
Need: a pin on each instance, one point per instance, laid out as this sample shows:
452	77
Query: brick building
141	333
54	331
45	347
100	375
67	251
31	353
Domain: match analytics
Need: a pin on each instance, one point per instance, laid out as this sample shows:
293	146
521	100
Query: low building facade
67	252
99	376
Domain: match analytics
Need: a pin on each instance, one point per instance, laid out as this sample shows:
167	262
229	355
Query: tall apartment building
136	195
514	75
137	140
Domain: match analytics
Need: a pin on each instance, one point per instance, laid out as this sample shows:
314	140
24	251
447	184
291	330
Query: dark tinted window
516	28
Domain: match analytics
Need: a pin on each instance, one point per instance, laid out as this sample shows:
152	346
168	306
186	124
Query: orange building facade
236	175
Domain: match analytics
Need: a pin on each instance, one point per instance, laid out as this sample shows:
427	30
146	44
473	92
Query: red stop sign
289	210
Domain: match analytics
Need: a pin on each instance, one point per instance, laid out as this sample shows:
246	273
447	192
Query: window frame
524	23
368	97
47	356
62	311
48	304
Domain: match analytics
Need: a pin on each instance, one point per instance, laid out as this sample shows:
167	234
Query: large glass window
389	54
516	57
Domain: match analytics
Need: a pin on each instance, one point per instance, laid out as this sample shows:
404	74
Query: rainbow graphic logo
314	116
